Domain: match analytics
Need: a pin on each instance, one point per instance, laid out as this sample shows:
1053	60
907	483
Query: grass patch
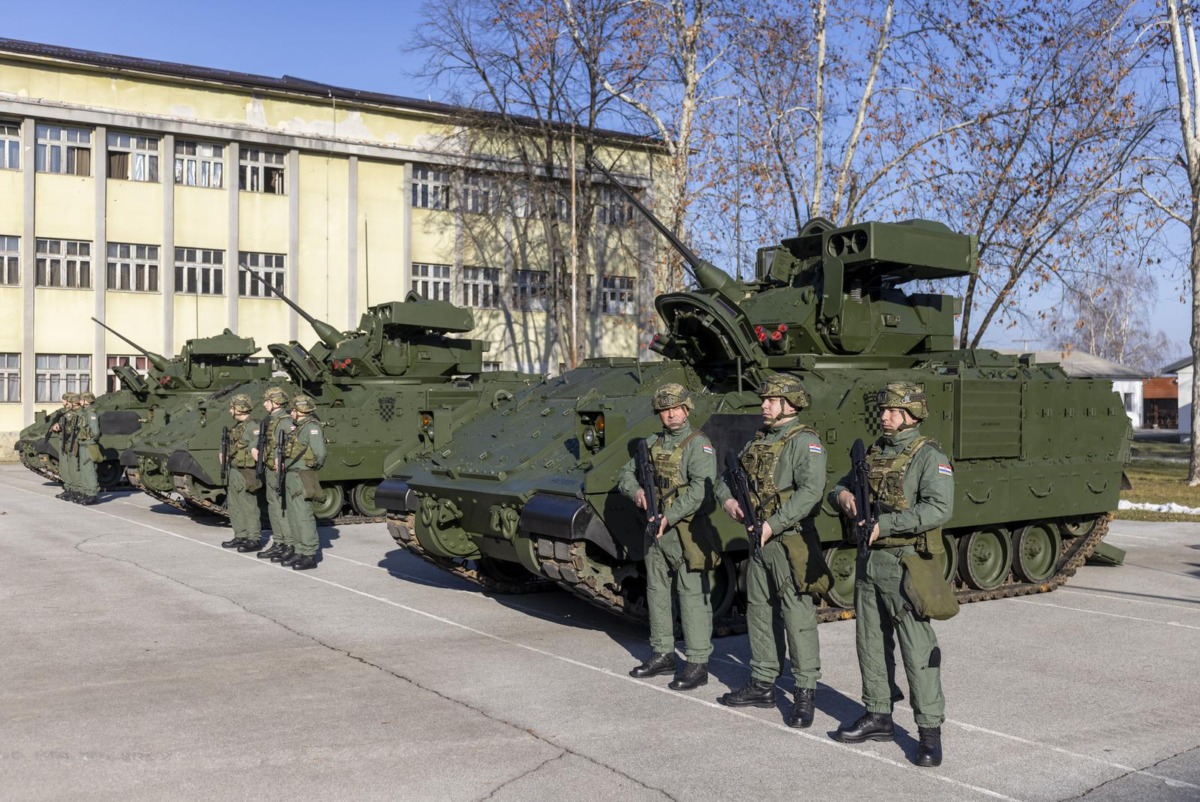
1145	449
1159	482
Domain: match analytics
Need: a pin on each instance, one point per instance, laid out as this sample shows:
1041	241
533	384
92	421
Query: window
530	290
56	374
63	263
10	377
10	145
477	193
492	367
199	271
10	260
132	157
261	171
613	208
267	266
481	287
136	361
431	281
616	295
199	164
64	150
430	188
132	267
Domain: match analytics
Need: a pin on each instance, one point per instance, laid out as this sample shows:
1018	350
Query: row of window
66	150
480	287
135	268
434	188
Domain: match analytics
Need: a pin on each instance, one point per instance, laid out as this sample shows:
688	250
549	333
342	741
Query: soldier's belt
890	543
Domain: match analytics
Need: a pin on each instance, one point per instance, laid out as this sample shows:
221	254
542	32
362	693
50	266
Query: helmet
302	404
87	397
275	395
241	403
672	395
905	395
781	385
71	398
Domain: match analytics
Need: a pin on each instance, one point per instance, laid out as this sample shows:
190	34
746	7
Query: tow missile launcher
528	492
203	365
399	384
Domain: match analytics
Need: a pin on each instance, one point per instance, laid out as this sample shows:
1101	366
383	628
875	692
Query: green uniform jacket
801	466
698	470
928	487
89	425
309	449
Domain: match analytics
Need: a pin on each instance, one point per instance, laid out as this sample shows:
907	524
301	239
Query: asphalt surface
140	660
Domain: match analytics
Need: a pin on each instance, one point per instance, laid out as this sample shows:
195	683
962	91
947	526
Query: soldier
681	558
305	454
87	428
785	466
913	481
65	428
274	402
241	482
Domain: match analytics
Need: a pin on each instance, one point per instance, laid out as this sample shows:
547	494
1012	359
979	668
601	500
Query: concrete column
99	257
352	246
232	237
292	283
28	257
406	227
166	260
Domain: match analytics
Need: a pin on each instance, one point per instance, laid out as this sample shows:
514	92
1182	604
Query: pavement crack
524	774
563	750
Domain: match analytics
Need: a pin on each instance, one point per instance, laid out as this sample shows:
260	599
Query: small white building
1182	369
1126	382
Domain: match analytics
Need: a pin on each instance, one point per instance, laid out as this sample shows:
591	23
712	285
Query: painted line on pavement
1106	615
1121	598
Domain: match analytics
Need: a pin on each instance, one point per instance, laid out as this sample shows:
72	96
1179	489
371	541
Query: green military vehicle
203	365
400	384
527	494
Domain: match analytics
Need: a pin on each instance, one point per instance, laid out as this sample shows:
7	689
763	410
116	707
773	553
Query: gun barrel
158	360
328	334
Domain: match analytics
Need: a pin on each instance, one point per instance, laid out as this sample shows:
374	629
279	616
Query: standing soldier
65	427
680	560
304	455
912	479
240	481
785	467
274	402
87	425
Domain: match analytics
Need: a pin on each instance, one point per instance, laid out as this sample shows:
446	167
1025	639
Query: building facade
132	190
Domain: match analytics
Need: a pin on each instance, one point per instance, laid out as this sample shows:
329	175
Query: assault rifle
71	441
281	467
223	455
739	485
260	465
644	470
860	487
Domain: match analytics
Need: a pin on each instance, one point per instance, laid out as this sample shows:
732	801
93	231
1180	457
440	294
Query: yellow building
130	191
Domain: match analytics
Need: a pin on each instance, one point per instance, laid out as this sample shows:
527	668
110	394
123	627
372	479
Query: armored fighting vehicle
398	385
204	364
527	494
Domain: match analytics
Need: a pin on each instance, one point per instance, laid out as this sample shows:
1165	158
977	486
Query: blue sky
354	43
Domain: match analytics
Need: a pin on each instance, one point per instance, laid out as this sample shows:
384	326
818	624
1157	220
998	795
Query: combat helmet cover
672	395
89	397
303	404
241	403
71	398
276	395
781	385
907	396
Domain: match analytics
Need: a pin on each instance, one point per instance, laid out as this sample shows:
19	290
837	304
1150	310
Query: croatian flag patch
709	450
945	470
816	448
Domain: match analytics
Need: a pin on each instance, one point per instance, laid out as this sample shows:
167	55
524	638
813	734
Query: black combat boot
248	545
657	664
804	709
754	693
267	554
232	543
693	676
87	501
291	557
869	727
63	495
929	753
283	553
304	562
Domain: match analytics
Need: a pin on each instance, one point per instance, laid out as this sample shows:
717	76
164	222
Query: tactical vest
70	424
239	454
294	449
668	469
886	477
85	418
759	460
273	437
